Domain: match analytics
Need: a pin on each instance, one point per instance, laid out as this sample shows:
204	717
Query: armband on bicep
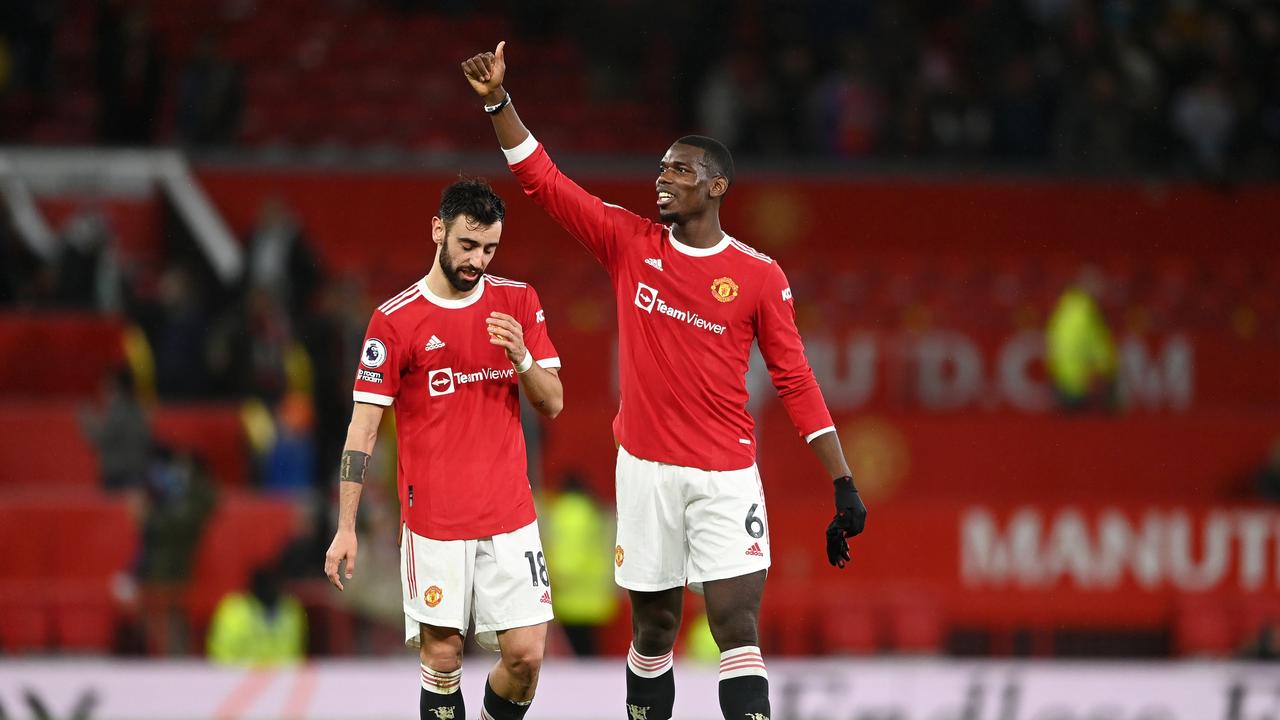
353	466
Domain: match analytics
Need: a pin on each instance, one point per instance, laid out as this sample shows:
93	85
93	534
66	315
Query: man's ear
719	186
437	230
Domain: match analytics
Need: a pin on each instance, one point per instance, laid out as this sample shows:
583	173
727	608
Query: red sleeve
381	358
783	352
594	223
536	337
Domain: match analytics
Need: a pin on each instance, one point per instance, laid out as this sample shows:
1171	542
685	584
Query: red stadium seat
849	626
1203	626
915	623
26	626
83	616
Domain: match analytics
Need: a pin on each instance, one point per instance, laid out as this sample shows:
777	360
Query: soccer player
691	299
453	352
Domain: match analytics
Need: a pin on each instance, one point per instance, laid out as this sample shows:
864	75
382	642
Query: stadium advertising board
802	690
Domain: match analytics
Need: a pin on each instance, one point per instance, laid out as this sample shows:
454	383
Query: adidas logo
654	262
434	343
755	550
546	597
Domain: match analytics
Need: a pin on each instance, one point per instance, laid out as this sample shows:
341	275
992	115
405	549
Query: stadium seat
83	615
848	626
914	622
1203	625
26	627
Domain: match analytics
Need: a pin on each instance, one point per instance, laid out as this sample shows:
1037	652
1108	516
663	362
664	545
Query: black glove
850	519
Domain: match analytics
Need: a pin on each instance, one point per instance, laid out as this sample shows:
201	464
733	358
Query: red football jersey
686	320
462	469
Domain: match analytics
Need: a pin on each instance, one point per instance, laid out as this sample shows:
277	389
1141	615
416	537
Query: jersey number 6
754	525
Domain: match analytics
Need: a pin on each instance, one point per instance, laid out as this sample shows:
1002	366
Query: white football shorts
679	525
500	581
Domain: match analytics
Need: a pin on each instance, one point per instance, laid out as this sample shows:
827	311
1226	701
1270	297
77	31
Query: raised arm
362	433
596	224
486	72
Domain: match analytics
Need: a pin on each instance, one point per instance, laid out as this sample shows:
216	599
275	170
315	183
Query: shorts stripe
412	573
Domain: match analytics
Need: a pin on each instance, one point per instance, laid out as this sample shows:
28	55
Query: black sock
651	686
497	707
434	706
744	684
441	695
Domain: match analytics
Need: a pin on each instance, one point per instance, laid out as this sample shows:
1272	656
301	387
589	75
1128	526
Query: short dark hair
714	154
473	197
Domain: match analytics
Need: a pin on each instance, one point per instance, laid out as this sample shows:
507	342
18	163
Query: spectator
176	324
580	561
280	261
210	97
1267	477
89	269
1204	115
264	627
130	74
120	434
1265	644
1080	355
289	464
180	499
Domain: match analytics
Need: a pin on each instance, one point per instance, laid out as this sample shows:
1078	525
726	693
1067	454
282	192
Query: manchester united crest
618	555
725	289
433	596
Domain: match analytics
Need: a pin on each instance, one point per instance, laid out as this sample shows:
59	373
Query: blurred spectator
89	271
120	434
289	464
333	336
1080	355
130	72
1094	130
1205	117
180	499
281	263
580	560
1265	645
176	322
264	627
1267	477
210	97
847	106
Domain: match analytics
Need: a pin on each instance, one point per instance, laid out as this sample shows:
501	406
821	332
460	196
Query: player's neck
440	286
702	231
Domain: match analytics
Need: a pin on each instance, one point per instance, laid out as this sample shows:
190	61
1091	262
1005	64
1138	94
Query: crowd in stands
1097	87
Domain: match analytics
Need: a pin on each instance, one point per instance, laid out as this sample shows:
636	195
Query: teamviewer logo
440	382
646	297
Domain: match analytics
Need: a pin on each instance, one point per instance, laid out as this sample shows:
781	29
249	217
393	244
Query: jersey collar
698	252
446	303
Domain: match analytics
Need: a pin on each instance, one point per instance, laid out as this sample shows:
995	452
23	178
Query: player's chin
463	283
668	216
